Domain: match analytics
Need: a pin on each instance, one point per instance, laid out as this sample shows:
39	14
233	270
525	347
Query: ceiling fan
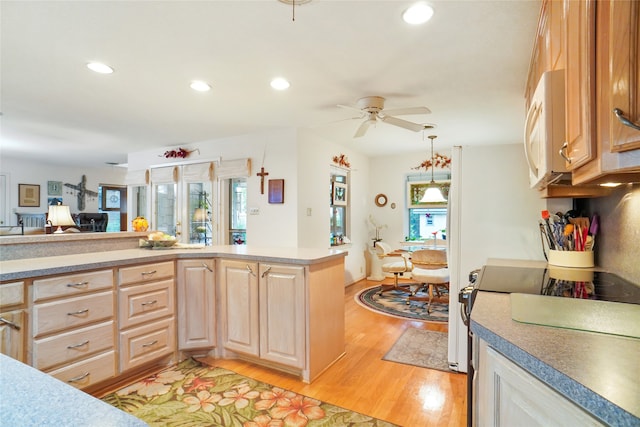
372	110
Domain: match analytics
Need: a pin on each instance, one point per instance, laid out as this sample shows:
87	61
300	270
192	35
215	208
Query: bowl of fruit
158	239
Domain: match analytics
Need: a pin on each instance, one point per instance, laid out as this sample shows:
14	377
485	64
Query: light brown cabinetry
146	313
196	304
283	315
510	396
579	82
73	327
13	320
617	90
264	311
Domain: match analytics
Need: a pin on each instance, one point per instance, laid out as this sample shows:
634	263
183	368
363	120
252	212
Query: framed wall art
276	191
29	195
54	188
339	194
110	198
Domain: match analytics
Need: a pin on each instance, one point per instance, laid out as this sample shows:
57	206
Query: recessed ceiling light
99	68
417	14
280	84
200	86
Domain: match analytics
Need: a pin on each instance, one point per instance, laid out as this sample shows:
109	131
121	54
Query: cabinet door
580	82
12	326
239	305
196	304
624	79
282	314
510	396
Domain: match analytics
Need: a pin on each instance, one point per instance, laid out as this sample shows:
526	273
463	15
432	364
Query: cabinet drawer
71	346
146	343
11	294
142	303
71	312
72	284
146	272
89	371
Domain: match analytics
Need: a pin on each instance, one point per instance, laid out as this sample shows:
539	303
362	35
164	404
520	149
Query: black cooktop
567	283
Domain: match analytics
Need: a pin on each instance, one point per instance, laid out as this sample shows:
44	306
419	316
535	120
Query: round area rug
394	303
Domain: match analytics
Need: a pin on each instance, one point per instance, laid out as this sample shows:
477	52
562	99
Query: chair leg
396	285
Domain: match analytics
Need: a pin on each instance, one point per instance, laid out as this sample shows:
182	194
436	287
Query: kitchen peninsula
94	316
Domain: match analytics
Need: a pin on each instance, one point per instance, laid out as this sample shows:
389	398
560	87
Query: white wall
19	171
314	162
388	176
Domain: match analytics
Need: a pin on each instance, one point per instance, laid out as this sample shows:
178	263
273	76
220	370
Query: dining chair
430	268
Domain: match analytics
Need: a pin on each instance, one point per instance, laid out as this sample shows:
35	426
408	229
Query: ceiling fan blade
349	107
362	129
407	111
402	123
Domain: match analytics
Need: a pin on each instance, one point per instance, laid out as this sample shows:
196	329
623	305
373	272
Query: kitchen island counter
32	267
598	372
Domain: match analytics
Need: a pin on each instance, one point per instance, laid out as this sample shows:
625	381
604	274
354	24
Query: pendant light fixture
432	194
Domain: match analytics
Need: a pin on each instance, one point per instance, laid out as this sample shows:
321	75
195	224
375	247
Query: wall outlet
254	211
308	211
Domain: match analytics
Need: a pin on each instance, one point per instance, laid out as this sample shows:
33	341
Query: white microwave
544	131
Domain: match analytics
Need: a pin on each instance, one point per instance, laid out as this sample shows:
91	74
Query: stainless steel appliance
551	282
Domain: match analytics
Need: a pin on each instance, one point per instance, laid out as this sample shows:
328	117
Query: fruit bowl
160	243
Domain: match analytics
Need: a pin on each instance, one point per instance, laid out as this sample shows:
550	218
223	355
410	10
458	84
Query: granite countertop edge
595	404
34	267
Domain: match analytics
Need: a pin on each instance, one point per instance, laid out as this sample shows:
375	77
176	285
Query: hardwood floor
363	382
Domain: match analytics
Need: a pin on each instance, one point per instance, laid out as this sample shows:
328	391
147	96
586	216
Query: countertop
29	397
32	267
598	372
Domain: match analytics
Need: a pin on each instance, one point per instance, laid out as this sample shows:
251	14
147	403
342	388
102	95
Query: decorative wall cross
81	188
262	174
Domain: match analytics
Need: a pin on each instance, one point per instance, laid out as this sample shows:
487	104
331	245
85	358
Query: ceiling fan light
280	83
432	194
418	14
99	67
200	86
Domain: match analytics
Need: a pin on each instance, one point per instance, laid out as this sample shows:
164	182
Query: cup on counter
576	259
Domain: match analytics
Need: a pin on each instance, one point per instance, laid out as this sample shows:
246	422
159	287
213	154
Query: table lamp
59	215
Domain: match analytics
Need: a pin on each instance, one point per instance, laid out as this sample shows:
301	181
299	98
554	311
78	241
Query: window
238	211
339	206
425	220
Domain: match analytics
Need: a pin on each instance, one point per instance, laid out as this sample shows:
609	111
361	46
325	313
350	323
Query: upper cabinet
580	83
597	44
616	95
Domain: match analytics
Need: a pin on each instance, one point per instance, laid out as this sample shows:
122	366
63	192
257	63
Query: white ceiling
468	65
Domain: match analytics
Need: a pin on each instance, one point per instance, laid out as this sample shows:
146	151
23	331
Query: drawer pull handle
155	301
250	270
83	343
563	152
79	312
207	267
154	342
265	273
77	285
625	121
78	378
10	324
148	273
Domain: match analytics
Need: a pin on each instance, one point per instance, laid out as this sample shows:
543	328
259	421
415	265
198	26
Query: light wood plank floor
363	382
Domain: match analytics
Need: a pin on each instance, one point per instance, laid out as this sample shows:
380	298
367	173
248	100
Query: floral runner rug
193	394
394	303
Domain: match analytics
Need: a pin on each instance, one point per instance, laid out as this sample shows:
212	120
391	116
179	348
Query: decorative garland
439	161
341	160
180	153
